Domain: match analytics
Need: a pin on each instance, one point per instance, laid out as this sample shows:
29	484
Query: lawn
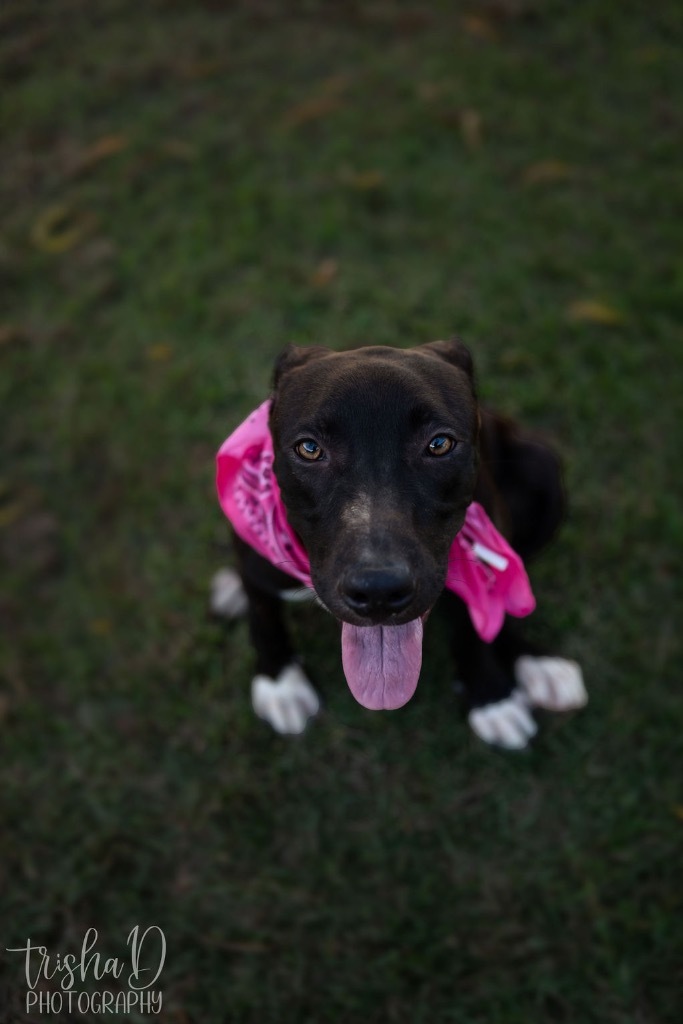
186	188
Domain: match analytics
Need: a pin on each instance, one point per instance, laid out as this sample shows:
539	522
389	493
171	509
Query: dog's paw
507	723
227	595
287	702
554	684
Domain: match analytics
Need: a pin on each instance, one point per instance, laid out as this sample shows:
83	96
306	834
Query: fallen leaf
10	334
11	512
108	145
179	150
413	21
192	70
547	171
515	359
595	312
336	84
324	273
310	110
649	54
159	353
15	504
429	91
101	627
364	181
470	128
479	28
60	228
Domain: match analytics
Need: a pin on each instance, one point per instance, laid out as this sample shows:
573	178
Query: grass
335	174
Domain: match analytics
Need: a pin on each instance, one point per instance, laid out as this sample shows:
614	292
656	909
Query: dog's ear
453	351
293	357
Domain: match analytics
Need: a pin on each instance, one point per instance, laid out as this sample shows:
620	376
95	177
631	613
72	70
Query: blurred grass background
187	187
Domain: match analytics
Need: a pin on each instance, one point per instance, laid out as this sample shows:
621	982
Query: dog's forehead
376	381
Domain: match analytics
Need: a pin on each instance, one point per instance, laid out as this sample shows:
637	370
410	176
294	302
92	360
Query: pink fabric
488	592
250	497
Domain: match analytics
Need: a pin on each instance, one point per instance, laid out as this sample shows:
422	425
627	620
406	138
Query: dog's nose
381	591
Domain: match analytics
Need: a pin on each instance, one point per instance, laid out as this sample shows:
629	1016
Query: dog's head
376	459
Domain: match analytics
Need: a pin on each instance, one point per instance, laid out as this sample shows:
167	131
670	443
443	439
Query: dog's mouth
381	612
382	663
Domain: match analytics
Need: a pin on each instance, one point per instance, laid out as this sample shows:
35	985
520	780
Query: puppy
372	482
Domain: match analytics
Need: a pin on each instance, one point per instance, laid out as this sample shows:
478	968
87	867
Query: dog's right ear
293	357
453	351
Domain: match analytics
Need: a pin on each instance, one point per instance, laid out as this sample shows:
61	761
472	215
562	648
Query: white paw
287	702
227	594
507	723
551	683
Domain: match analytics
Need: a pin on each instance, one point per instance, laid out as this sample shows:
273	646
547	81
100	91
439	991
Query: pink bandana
482	567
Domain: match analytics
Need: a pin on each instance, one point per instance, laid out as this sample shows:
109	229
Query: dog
373	482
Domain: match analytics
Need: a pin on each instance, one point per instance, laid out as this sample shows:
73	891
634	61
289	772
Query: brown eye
442	444
309	450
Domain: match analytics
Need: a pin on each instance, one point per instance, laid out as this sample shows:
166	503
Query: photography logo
56	983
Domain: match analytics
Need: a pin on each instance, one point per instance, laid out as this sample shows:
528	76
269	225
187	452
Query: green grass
386	868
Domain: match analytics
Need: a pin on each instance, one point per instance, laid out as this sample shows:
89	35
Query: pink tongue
382	663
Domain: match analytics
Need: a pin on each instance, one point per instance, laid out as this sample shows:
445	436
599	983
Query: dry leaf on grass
60	227
512	359
11	512
326	101
91	156
324	273
10	334
179	150
313	109
429	91
479	27
594	311
364	181
101	627
649	54
193	70
470	128
335	84
545	172
160	353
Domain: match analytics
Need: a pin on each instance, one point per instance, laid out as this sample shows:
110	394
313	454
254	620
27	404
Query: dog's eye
309	450
442	444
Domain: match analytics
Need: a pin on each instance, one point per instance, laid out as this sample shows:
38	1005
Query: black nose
378	591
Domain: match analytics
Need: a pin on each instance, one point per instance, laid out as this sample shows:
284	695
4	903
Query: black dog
378	452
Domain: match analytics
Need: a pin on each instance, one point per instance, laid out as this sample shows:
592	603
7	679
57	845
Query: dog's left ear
454	352
293	357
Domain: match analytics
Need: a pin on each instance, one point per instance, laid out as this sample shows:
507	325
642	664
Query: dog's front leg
506	679
280	691
498	710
